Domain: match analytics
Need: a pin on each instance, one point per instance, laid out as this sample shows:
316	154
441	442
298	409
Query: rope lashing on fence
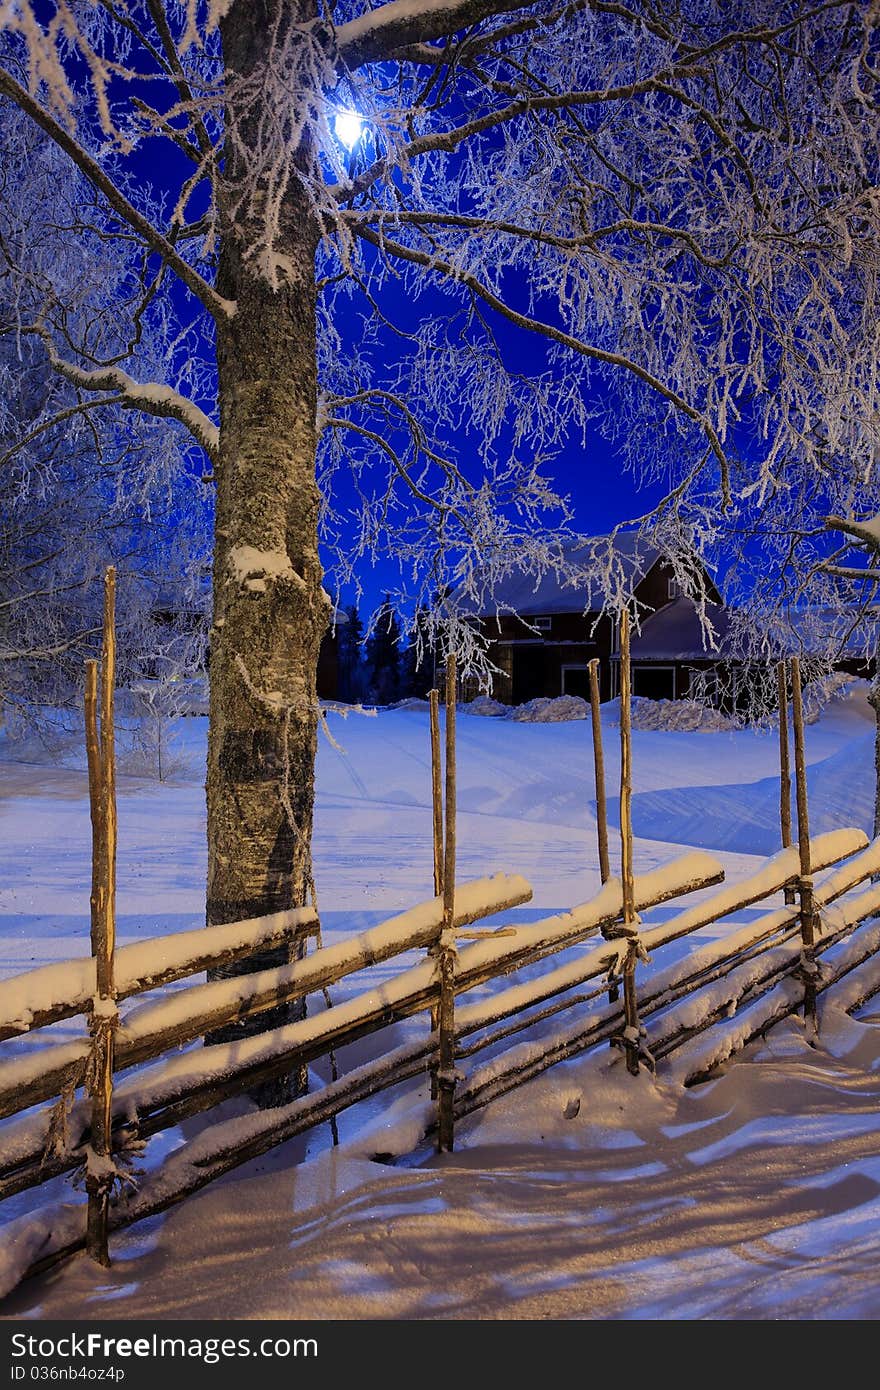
808	971
633	1038
58	1131
103	1023
101	1173
627	933
630	951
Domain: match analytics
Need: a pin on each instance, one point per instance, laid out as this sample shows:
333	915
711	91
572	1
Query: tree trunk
270	611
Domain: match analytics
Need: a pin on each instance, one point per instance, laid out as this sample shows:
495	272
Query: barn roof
559	589
676	633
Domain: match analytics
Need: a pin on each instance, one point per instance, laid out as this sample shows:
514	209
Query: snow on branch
152	397
380	32
866	532
866	576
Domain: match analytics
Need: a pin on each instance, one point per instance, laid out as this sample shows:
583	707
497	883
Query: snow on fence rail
64	989
703	1006
162	1096
198	1080
714	982
191	1013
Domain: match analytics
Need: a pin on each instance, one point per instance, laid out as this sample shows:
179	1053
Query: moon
349	128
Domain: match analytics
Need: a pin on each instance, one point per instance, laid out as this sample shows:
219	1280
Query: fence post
805	886
599	772
437	820
436	790
101	758
446	951
601	802
784	765
630	927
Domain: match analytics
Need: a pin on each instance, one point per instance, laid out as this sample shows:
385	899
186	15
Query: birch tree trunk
270	610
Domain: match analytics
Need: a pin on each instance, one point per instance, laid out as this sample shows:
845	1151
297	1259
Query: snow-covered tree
428	239
80	491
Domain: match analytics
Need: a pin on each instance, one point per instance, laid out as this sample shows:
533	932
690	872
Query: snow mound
839	694
682	716
545	710
485	705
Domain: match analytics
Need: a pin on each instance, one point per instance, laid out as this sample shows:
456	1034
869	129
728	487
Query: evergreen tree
384	657
352	676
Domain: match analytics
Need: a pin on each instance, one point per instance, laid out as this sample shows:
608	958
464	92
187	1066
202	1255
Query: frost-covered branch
153	398
111	189
400	24
866	532
566	340
53	421
865	576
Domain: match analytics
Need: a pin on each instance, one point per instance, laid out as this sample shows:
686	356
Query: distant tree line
384	665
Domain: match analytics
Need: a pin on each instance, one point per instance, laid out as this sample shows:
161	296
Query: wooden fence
135	1081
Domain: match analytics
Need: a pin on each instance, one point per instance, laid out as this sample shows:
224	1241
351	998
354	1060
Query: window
543	624
654	682
671	589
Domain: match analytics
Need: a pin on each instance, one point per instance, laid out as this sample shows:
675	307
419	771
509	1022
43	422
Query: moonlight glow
349	128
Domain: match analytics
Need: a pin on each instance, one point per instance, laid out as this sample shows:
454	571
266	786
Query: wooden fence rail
235	1066
198	1080
223	1146
52	993
190	1013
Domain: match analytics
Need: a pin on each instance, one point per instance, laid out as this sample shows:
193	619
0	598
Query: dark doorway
576	681
528	673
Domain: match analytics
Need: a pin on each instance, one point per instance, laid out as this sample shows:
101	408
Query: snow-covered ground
585	1193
